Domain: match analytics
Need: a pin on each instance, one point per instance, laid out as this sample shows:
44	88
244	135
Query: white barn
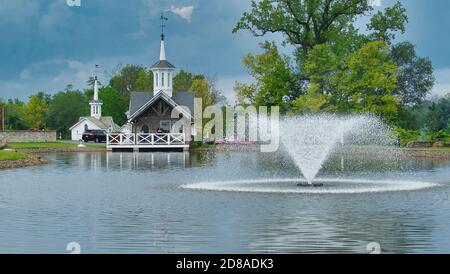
95	121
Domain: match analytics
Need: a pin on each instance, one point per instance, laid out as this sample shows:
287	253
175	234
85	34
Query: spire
96	104
162	69
162	53
96	89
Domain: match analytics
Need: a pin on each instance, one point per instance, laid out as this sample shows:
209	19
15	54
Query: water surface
134	203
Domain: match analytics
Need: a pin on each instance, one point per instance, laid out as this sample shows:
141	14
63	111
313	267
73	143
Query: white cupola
96	104
163	73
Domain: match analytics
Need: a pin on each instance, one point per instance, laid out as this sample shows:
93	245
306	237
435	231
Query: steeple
96	89
162	52
162	69
96	104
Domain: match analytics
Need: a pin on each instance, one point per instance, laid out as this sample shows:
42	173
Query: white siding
77	132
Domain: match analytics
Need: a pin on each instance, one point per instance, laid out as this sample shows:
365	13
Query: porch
142	141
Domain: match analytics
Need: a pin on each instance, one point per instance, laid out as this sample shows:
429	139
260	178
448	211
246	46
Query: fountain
310	139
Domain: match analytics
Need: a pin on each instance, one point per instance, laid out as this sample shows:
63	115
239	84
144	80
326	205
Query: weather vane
163	25
95	70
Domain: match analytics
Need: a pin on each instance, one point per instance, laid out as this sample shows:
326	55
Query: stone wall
27	136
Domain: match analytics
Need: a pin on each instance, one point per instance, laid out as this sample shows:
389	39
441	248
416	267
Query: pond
182	203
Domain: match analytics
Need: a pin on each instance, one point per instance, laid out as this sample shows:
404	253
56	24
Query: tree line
336	67
61	110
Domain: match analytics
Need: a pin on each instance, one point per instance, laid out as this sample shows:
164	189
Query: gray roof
103	123
138	99
163	64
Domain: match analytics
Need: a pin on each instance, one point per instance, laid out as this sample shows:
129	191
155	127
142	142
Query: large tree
35	110
183	80
304	23
14	112
364	81
415	78
144	80
337	67
64	110
114	104
273	75
125	79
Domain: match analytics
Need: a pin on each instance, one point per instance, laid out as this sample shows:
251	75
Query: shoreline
28	162
61	150
427	153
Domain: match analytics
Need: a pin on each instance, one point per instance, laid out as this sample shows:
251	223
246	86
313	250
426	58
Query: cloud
53	75
442	86
226	84
183	12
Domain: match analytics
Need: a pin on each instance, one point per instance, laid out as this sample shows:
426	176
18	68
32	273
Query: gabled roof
103	123
140	101
163	64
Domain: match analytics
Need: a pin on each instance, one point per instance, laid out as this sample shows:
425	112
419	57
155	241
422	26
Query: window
162	79
156	78
169	80
166	125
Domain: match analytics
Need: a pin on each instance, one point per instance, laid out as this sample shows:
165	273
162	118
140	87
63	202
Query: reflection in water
122	160
133	203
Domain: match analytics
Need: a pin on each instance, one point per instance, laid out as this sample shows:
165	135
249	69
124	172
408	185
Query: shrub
405	136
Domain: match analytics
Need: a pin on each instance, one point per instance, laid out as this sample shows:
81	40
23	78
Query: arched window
86	127
156	79
162	79
169	78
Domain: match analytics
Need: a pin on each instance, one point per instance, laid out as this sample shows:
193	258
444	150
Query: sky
47	44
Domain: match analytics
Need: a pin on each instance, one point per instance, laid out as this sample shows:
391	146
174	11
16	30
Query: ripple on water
331	186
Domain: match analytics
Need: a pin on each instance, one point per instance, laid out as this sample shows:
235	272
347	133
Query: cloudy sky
46	45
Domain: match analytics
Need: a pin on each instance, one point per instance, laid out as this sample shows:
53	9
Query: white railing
145	139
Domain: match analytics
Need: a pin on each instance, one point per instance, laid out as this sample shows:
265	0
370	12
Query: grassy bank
12	156
51	145
20	146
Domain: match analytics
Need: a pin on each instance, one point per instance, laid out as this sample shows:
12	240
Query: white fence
145	139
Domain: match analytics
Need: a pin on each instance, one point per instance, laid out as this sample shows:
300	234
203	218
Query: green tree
201	90
125	80
144	80
245	93
368	81
273	75
434	118
64	110
337	67
384	24
305	23
415	78
362	82
114	104
15	115
35	111
312	101
183	81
